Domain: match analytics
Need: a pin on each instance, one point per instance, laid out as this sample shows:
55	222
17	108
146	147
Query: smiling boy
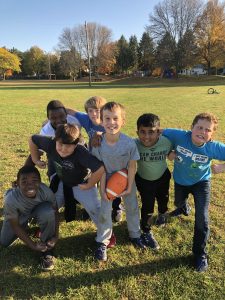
31	199
194	151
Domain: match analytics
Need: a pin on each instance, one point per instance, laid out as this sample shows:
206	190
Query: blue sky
25	23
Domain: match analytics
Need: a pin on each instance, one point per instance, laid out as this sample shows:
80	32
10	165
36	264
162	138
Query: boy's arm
71	111
132	169
93	179
51	243
21	234
218	168
96	139
36	155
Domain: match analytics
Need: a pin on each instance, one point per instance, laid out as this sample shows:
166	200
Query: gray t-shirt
16	204
116	157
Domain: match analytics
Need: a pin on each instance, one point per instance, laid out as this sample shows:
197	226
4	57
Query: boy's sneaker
101	252
184	210
161	220
47	261
138	243
201	263
112	241
149	240
117	215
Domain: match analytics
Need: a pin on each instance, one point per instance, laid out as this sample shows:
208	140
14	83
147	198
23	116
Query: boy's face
94	115
64	150
202	132
29	184
148	135
112	121
57	117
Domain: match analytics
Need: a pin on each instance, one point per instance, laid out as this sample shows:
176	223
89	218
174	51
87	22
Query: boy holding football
117	151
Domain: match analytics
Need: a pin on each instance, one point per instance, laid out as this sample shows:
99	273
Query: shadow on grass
22	285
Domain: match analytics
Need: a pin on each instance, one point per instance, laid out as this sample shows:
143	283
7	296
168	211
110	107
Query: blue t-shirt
88	125
192	163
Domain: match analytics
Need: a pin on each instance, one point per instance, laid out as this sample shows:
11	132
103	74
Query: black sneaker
101	252
47	261
149	240
137	242
184	210
161	220
201	263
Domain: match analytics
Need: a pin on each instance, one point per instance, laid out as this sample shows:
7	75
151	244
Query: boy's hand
104	196
218	168
41	247
96	139
124	193
172	155
84	186
41	164
52	242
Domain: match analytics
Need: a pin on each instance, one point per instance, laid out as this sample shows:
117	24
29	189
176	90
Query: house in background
195	71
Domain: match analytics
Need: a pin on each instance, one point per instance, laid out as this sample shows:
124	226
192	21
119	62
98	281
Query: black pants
116	204
151	190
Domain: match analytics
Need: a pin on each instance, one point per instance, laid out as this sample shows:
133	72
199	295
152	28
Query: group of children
75	169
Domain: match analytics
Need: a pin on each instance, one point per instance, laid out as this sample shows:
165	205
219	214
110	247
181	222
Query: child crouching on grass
194	151
31	199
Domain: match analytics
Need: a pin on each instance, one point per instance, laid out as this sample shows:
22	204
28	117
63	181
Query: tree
146	53
70	63
164	56
133	52
187	50
99	42
8	62
122	57
210	34
34	61
174	17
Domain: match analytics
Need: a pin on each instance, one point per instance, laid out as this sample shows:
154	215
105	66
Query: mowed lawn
128	273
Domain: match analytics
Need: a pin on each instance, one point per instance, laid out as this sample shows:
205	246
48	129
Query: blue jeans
201	194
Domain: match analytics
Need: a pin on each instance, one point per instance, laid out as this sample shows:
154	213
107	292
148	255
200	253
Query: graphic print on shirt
153	156
66	165
198	159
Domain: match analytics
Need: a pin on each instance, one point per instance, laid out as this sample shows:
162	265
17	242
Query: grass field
128	273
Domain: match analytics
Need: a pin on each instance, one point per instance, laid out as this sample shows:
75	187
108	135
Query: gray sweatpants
43	214
104	231
88	198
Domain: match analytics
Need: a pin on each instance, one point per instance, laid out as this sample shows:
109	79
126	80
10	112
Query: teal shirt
152	163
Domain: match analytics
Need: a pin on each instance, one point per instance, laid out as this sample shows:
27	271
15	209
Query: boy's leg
147	193
132	213
44	215
8	236
201	193
162	194
90	201
59	195
104	230
181	200
116	210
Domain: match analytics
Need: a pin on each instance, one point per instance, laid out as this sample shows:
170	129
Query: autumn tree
8	62
174	17
99	41
133	53
34	61
210	34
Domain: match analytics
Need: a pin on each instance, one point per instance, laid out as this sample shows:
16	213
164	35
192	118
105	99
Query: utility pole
88	54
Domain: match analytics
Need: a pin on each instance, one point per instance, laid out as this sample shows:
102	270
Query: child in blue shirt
194	151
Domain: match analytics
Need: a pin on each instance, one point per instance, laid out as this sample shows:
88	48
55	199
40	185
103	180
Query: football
116	184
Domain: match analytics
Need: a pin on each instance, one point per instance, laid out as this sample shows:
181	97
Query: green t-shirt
152	163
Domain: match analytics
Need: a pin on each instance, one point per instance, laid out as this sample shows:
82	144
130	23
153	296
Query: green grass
128	273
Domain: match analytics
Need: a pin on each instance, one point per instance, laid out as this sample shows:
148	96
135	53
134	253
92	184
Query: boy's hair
111	106
95	102
28	170
148	120
206	116
67	134
54	105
